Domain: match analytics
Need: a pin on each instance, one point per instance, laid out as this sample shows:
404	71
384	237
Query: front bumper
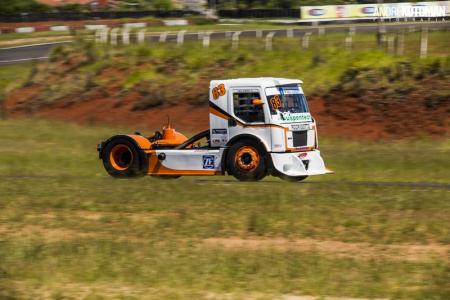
299	163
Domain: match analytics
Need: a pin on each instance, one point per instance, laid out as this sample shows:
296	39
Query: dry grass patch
367	251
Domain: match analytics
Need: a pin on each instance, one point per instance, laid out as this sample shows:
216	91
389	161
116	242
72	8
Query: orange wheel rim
247	158
121	157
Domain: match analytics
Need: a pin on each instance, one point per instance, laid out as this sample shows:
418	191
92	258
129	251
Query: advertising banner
383	10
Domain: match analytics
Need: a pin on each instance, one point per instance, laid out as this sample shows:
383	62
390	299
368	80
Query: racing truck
257	127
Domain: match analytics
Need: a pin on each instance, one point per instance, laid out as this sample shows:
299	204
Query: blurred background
73	73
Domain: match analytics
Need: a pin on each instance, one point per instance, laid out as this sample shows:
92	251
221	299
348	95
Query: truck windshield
286	99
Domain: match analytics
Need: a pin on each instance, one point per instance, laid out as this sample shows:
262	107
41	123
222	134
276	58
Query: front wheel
246	161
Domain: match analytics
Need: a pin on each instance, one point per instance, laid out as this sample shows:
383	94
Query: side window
244	108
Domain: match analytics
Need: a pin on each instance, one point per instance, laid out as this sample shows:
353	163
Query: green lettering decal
295	118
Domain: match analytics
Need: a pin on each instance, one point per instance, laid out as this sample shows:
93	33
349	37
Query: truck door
248	118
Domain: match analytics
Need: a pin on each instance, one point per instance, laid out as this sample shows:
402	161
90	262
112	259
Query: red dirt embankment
347	117
393	102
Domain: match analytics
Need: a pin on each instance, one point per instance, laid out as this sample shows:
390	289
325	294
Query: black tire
293	178
242	160
122	158
168	176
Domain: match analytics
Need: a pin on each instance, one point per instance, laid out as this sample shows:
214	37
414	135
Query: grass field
11	76
67	230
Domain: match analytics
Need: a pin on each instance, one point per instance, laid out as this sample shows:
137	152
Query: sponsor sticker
303	155
368	10
300	126
208	161
220	131
270	91
316	12
289	91
304	117
246	91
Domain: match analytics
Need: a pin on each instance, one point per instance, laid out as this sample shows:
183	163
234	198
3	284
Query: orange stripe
217	113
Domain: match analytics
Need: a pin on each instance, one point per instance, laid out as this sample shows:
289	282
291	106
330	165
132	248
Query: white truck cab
258	127
273	111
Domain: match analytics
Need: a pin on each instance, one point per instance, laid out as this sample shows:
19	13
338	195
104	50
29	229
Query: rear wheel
246	160
122	158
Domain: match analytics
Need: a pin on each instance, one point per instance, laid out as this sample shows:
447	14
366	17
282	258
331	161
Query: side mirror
257	102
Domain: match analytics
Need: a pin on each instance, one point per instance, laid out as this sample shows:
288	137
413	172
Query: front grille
300	138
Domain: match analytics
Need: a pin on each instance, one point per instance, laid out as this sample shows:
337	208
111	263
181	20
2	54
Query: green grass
67	229
12	75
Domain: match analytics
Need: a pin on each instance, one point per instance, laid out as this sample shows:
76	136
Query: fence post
163	37
235	40
99	36
381	33
400	43
305	40
141	36
126	36
206	39
390	44
315	24
424	42
352	30
259	33
200	35
269	38
348	42
114	33
290	33
105	33
321	30
180	37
